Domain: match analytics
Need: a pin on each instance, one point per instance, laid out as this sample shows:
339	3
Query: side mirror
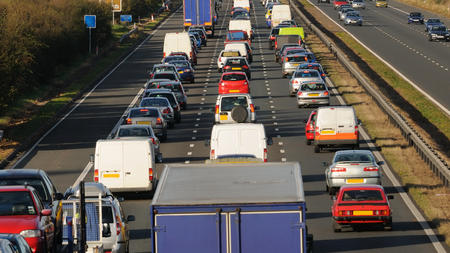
380	163
207	143
257	107
58	196
305	121
390	196
91	158
46	212
269	141
131	218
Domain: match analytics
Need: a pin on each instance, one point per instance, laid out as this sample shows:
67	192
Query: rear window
313	87
296	59
157	102
169	76
307	74
163	69
231	54
362	195
233	77
144	113
16	203
174	87
107	214
307	66
295	51
37	184
174	58
355	157
228	103
236	36
138	131
164	95
181	64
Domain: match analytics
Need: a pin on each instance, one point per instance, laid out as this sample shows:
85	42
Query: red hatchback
233	82
361	204
22	212
309	127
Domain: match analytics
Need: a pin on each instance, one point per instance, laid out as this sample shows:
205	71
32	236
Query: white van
336	125
242	3
240	139
243	25
280	13
178	42
238	47
125	165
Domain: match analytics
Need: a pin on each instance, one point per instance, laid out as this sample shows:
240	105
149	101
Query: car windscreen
35	182
306	74
231	54
295	51
312	87
296	59
233	77
169	76
236	36
228	103
352	14
354	158
181	64
157	102
135	113
439	28
434	20
362	195
137	131
16	203
170	97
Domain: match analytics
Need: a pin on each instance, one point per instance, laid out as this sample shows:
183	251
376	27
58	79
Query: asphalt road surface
65	151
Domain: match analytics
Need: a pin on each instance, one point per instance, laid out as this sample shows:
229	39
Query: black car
237	64
415	17
19	243
40	181
438	32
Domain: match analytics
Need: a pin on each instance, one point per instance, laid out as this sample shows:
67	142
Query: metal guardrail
426	152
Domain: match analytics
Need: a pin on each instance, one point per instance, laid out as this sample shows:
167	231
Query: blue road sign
90	21
125	18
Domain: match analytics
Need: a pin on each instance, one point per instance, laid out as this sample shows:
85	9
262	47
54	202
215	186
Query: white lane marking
191	145
196	125
282	151
283	159
194	131
187	161
280	143
194	138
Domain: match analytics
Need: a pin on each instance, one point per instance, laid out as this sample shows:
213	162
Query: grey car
352	167
148	116
177	89
358	4
291	62
343	11
313	93
301	76
164	105
353	18
139	131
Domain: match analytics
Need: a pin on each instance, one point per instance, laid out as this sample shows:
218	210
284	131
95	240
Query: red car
338	3
361	204
233	82
22	212
237	36
309	127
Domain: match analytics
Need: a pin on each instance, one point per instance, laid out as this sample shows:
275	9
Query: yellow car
381	3
268	14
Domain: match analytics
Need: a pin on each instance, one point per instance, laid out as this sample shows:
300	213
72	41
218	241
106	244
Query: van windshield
228	103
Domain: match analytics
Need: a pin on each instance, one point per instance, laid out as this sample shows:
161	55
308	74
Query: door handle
341	126
128	173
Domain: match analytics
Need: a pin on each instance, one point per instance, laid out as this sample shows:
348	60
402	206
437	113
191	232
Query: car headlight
31	233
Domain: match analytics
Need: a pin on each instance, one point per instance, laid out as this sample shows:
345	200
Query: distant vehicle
170	59
233	82
242	4
338	3
291	62
281	40
126	132
353	18
290	51
381	3
438	32
244	25
432	22
241	15
22	212
309	127
164	106
185	70
342	13
315	66
290	23
415	17
273	33
352	167
197	39
281	50
19	243
280	13
313	93
178	90
224	54
153	83
361	204
179	42
237	36
243	48
157	68
174	76
225	104
358	4
202	30
148	116
298	77
125	165
199	13
233	64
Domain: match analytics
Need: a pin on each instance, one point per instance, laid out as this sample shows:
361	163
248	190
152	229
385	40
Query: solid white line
445	110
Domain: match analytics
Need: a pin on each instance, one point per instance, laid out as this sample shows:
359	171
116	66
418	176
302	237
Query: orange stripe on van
338	136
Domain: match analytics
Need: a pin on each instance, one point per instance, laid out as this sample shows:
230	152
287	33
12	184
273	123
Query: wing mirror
58	196
390	196
380	163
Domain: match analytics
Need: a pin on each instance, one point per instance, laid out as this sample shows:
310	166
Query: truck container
200	13
236	207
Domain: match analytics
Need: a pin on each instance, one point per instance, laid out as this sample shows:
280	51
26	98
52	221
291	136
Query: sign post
91	22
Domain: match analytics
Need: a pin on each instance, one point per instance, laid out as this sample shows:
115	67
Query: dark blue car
185	70
432	22
415	17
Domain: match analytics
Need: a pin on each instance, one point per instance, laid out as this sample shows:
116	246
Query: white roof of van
205	184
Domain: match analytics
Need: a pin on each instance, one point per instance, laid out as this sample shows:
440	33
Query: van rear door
136	156
226	142
327	121
250	142
110	164
345	120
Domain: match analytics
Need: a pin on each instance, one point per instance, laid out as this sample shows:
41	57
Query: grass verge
441	7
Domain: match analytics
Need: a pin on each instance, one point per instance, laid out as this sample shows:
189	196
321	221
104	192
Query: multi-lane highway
404	46
64	152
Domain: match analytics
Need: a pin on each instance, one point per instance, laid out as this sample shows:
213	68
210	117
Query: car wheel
332	191
308	142
193	80
430	38
336	227
317	149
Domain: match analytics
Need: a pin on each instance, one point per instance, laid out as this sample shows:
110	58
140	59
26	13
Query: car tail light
299	93
166	110
252	108
158	121
129	121
371	168
245	67
345	212
227	67
212	154
153	140
276	44
118	225
338	169
96	175
265	155
190	54
150	174
164	54
323	74
295	82
217	109
325	93
220	59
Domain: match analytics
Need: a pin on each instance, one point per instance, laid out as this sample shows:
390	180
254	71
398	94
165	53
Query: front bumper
362	219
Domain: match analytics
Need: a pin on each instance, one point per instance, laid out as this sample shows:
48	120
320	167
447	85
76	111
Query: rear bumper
132	189
336	142
313	101
362	219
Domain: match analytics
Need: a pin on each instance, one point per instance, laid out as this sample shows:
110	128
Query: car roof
133	126
234	95
296	54
163	65
165	72
365	186
161	90
15	173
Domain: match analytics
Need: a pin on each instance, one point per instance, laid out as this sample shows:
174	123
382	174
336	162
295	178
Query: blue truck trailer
200	13
228	208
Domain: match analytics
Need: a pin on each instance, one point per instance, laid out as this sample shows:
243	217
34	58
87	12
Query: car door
45	222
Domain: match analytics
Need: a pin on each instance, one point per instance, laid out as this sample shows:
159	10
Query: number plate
143	122
327	132
363	213
181	72
234	91
236	68
313	94
355	181
112	175
295	64
223	117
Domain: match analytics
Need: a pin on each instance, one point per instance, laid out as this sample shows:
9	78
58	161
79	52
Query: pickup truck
235	207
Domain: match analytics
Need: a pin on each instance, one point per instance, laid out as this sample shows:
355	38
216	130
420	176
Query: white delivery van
242	3
125	165
243	25
280	13
240	139
178	42
238	47
336	125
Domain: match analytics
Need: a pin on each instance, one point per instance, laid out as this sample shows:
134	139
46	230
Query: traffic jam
35	217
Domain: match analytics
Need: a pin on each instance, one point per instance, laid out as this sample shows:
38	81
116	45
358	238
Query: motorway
64	152
406	47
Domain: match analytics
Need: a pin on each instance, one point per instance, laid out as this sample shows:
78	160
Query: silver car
227	102
139	131
358	4
353	18
352	167
164	105
313	93
291	62
300	76
115	236
148	116
342	13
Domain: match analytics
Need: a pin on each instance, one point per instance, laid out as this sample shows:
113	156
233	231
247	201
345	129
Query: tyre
336	227
430	38
193	80
308	142
332	191
317	149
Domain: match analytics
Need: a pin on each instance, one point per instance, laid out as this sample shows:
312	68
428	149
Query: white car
358	4
301	76
225	112
223	56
